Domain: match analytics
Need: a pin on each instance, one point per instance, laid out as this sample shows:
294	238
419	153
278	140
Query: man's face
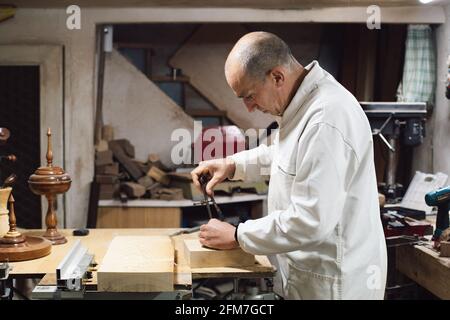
262	95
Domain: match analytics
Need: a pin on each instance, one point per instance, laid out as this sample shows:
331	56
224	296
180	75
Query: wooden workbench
423	265
97	243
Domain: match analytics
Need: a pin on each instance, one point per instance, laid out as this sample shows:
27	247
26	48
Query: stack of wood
120	175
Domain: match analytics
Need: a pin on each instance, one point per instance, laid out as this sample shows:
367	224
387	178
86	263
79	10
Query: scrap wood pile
121	176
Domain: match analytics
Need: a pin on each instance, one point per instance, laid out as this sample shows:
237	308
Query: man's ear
277	76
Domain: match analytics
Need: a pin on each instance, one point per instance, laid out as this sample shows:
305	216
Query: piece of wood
445	249
170	194
108	191
199	256
143	166
159	175
97	243
106	179
130	217
127	163
146	182
102	145
133	190
126	146
154	160
103	158
137	264
111	169
424	266
107	133
190	191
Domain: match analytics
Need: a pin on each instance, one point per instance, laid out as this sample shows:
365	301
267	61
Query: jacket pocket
307	285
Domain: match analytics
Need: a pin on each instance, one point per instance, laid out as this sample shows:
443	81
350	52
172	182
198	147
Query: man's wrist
232	169
236	233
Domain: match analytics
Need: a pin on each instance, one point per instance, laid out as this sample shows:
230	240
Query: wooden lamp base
30	247
54	237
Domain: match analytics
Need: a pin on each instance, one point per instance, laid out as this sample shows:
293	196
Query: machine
395	123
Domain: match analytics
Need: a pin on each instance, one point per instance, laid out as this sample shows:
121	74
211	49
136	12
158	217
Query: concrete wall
139	111
434	154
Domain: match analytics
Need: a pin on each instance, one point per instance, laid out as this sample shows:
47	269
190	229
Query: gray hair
263	54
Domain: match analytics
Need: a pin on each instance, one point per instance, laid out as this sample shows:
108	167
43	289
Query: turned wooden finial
12	215
49	148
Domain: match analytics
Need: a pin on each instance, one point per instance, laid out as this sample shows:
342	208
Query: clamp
204	179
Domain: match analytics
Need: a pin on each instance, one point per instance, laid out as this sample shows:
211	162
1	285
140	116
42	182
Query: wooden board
424	266
137	264
202	58
198	256
129	217
98	242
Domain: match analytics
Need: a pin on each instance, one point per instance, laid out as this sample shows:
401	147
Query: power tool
441	199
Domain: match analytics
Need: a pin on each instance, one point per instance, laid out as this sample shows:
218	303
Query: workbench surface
97	243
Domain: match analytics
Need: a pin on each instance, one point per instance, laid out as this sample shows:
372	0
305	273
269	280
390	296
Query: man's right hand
218	169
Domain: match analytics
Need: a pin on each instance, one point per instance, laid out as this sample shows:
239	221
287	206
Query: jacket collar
309	83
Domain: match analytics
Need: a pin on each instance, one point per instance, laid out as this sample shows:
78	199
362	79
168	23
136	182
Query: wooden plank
135	217
424	266
261	269
199	256
98	241
112	169
159	175
133	190
137	264
103	158
106	179
131	167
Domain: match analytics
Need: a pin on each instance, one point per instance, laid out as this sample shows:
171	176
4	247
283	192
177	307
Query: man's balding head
262	71
256	53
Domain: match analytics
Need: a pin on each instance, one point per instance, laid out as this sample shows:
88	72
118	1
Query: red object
218	142
410	228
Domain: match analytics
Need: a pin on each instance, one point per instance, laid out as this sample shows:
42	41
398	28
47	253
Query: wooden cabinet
148	213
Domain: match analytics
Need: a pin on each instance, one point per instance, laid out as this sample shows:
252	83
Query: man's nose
250	107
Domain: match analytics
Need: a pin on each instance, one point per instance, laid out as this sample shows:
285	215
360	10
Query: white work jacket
323	230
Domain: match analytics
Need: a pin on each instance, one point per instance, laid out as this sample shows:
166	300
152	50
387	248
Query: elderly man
323	229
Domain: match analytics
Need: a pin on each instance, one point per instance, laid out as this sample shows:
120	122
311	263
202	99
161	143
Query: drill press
441	199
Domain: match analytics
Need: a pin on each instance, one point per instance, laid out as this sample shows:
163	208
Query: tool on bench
185	231
203	179
441	199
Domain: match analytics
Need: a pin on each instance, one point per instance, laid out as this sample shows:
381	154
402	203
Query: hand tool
204	179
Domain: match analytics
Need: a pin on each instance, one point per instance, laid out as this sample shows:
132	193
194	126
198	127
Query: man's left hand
218	235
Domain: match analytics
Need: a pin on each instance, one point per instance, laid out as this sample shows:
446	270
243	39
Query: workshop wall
139	111
48	26
39	26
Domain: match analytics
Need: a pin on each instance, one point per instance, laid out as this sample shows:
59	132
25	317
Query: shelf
243	197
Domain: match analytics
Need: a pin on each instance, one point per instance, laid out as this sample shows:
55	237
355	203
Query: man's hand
218	169
218	235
